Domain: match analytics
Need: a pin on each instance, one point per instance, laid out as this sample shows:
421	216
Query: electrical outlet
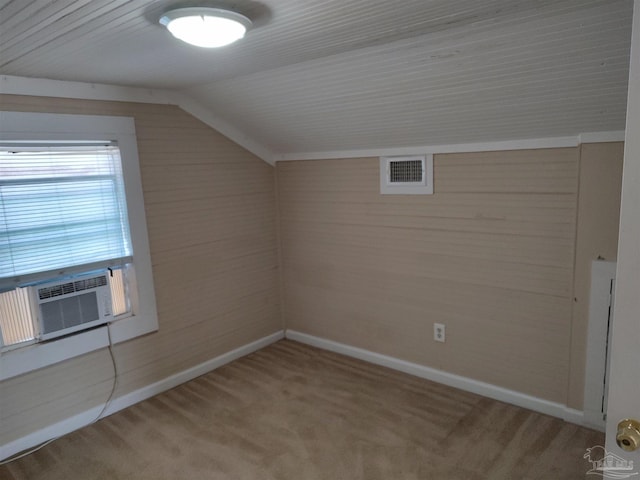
439	332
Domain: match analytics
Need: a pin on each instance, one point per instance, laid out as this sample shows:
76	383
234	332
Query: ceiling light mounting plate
206	27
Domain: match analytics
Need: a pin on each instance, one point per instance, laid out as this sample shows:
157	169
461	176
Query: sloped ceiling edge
13	85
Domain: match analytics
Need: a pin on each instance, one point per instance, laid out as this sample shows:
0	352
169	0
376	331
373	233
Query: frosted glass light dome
205	27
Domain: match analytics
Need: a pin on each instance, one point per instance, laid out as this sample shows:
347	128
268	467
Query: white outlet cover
439	333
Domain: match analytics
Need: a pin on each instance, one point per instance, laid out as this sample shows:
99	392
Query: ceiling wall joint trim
206	115
43	87
13	85
602	137
523	144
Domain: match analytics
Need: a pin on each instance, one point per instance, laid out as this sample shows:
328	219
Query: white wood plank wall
210	209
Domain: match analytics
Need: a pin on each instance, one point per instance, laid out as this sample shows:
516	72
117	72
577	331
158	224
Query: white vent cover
408	175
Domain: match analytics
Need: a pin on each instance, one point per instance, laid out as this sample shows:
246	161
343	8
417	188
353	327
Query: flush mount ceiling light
204	26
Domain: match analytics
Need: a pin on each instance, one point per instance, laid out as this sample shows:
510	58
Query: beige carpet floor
294	412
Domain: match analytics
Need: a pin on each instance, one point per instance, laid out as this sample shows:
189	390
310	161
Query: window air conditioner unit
71	305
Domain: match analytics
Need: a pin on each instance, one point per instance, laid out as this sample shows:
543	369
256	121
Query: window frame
52	127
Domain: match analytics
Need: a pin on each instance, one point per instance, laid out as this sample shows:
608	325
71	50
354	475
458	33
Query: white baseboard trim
186	375
89	416
52	431
463	383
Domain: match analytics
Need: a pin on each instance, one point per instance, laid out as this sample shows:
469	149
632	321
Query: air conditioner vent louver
90	283
71	287
403	171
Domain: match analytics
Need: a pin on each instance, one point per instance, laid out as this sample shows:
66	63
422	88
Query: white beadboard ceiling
334	75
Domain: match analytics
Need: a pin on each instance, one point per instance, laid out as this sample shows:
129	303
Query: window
70	205
62	209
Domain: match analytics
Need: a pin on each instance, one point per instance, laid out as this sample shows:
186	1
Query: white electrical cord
104	409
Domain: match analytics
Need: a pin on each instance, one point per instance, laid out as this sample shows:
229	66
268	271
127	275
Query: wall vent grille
403	171
408	175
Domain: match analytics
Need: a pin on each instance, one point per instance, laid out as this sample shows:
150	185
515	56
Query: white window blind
16	324
61	206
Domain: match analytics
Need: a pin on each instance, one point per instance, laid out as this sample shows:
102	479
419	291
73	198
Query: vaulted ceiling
326	75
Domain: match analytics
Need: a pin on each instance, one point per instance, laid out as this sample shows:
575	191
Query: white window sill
26	359
39	355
